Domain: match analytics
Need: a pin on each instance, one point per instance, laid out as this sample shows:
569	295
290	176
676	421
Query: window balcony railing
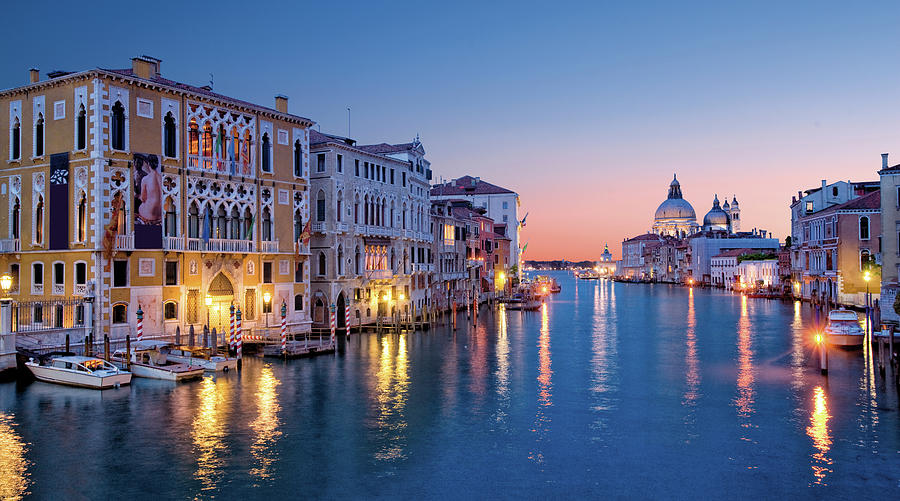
379	274
59	289
269	246
194	244
423	267
37	289
319	227
398	232
300	248
173	243
409	234
10	245
80	289
229	245
342	227
125	242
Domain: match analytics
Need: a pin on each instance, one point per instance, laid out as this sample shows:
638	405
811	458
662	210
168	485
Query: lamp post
267	300
208	301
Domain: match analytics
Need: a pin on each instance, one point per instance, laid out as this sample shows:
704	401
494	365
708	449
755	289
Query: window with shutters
192	296
249	304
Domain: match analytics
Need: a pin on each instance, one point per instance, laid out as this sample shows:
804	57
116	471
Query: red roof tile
467	185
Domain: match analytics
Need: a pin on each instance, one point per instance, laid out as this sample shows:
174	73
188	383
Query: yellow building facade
154	195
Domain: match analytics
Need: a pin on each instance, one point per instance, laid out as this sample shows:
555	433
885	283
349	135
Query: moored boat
149	359
85	372
197	355
843	328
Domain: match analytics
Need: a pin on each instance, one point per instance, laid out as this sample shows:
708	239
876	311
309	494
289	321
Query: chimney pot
145	67
884	160
281	103
34	75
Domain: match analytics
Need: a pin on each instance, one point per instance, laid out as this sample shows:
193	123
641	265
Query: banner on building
59	201
148	202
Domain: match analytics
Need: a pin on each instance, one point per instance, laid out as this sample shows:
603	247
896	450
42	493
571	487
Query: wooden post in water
453	315
106	347
127	361
67	343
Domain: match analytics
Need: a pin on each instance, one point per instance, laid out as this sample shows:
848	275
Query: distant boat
197	355
843	328
588	275
149	359
85	372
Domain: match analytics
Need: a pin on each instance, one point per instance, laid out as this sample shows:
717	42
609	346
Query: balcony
173	243
10	245
37	289
59	289
195	244
423	267
342	227
319	227
269	246
80	289
409	234
125	242
301	249
229	245
379	274
397	232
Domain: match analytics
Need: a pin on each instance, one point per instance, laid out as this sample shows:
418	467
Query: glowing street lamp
267	300
6	283
867	277
208	301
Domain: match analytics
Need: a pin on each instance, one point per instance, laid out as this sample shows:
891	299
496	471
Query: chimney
145	67
281	103
884	160
824	184
34	75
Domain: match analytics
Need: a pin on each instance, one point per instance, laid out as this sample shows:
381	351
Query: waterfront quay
610	389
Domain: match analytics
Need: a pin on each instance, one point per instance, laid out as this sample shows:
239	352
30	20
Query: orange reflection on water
392	384
818	432
266	423
745	379
692	375
13	465
545	383
208	431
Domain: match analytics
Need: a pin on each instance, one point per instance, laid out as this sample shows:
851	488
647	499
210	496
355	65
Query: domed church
723	218
675	217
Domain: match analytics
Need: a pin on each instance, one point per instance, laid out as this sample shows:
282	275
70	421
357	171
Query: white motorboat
843	328
86	372
197	355
149	359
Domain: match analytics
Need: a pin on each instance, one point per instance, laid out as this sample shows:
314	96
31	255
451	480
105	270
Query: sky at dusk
586	110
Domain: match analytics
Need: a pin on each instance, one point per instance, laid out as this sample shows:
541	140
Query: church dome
675	207
716	218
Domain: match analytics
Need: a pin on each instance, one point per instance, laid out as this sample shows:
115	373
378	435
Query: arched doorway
339	312
218	300
320	310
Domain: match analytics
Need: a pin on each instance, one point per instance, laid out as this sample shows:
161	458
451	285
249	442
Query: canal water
611	389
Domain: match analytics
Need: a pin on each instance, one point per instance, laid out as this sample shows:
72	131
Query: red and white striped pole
347	317
238	336
333	326
231	330
283	328
140	323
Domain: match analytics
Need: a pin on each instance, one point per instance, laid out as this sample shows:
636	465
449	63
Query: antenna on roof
210	81
348	121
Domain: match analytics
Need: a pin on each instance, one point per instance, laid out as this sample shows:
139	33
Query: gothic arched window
117	127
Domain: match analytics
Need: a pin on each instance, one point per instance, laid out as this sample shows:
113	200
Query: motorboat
85	372
589	275
843	328
149	359
523	301
198	355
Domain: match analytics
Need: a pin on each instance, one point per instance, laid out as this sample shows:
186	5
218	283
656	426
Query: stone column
7	336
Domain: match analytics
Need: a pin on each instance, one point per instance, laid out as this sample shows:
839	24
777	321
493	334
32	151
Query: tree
788	241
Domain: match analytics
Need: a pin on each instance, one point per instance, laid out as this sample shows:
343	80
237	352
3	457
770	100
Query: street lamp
267	298
208	302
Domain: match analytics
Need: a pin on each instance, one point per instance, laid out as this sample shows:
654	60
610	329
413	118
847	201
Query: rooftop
467	185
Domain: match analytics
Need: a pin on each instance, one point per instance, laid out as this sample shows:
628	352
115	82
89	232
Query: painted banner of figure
148	203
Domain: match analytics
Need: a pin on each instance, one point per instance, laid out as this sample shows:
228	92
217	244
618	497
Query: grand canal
610	390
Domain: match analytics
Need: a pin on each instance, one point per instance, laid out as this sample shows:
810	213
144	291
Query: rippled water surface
610	390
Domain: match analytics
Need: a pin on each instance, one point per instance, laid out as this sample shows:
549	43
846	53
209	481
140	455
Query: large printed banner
148	203
59	201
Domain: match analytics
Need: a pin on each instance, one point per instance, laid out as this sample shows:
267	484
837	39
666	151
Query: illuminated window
170	311
120	314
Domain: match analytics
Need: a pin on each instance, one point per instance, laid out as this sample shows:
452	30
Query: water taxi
198	355
149	359
588	275
843	328
85	372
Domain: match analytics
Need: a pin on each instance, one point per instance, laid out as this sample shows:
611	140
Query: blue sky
586	109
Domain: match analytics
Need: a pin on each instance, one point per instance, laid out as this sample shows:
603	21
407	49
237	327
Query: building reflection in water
392	386
265	426
745	379
545	384
208	431
692	364
818	432
13	465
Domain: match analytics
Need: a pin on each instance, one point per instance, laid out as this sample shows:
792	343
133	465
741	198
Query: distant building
758	273
890	218
705	245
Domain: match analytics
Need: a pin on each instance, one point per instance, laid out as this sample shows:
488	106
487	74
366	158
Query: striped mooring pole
231	330
283	328
333	326
347	318
140	323
238	335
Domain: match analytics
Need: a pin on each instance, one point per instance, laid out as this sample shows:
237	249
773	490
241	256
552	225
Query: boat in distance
81	371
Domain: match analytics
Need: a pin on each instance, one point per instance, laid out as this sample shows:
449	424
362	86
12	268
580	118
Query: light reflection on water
13	465
208	431
266	424
818	432
392	386
692	365
545	386
745	399
501	374
603	357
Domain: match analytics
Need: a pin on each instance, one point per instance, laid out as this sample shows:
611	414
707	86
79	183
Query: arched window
117	127
169	135
298	225
340	260
16	218
298	302
864	260
16	140
39	136
391	221
320	206
193	138
393	259
170	310
248	225
171	219
266	153
356	212
39	221
120	313
206	146
222	223
339	207
298	159
246	152
356	261
235	233
193	221
81	129
322	268
864	228
267	225
81	223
